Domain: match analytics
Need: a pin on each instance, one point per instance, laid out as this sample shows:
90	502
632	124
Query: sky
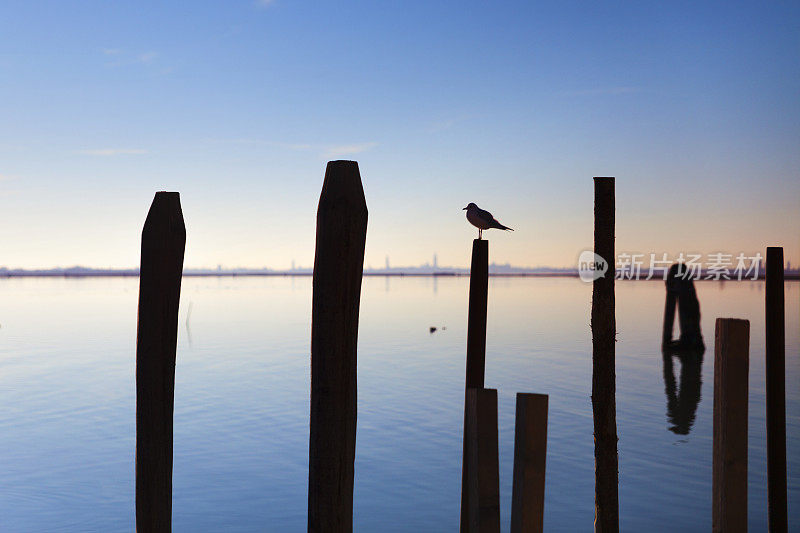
694	107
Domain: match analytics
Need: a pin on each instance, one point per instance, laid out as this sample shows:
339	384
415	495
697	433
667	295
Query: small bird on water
482	219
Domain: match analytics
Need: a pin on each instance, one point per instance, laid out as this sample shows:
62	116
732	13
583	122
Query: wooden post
776	392
338	268
729	468
483	482
530	452
669	318
476	328
163	242
604	406
476	347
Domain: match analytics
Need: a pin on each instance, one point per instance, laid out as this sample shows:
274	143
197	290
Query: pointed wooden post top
342	188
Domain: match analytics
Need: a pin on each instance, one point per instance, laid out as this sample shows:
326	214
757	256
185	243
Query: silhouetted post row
163	243
776	391
476	351
603	363
338	269
483	473
530	453
729	467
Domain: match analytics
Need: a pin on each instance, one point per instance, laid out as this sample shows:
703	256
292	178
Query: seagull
482	219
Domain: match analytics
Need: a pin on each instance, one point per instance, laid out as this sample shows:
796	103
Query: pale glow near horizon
514	107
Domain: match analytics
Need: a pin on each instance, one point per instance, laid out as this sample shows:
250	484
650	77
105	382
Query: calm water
67	403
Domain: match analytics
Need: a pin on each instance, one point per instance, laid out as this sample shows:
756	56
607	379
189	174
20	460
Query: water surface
67	403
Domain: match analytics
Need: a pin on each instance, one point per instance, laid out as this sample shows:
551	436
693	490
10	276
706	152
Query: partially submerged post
338	268
681	293
604	406
476	349
483	474
776	392
530	452
669	315
163	242
729	467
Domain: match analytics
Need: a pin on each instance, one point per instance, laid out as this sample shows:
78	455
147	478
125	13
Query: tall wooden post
604	405
163	242
338	268
530	453
776	392
476	327
483	475
476	349
729	468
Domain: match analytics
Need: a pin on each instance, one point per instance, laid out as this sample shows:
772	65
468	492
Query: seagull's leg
480	233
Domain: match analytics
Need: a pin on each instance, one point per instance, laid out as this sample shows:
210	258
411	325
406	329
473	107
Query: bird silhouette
482	219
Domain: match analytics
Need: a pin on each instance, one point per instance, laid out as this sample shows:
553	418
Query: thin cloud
441	125
147	57
107	152
117	57
326	150
262	142
604	91
348	149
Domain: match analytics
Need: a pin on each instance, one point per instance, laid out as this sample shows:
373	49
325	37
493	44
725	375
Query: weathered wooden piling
669	317
163	243
682	294
338	269
604	406
483	474
729	467
476	348
776	392
530	453
476	321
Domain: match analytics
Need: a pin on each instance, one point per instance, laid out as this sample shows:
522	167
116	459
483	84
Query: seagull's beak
464	209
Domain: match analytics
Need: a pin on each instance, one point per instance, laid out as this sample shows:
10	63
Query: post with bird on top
604	407
338	269
163	243
471	501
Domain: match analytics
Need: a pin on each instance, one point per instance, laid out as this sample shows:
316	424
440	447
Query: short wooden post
476	346
729	468
483	480
670	304
530	452
338	268
669	318
604	406
776	392
163	242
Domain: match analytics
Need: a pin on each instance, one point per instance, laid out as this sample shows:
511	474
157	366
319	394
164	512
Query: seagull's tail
500	226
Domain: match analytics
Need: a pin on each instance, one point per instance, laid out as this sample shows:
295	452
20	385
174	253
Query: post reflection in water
683	399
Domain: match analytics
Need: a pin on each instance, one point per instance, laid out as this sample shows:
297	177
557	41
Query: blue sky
512	105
